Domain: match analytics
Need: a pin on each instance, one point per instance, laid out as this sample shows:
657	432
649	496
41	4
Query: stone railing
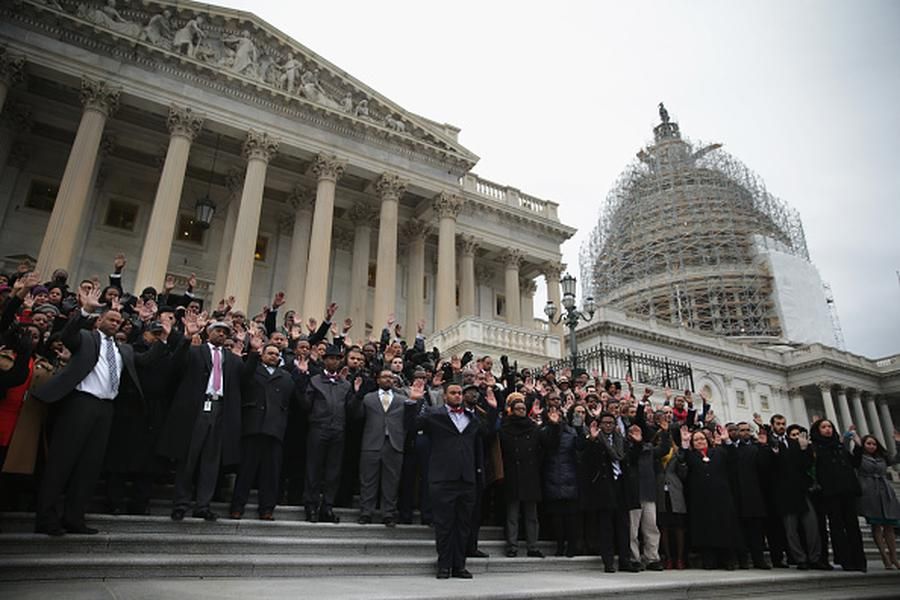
529	346
509	196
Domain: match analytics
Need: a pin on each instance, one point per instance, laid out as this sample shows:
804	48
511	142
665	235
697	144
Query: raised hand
348	324
90	301
438	379
553	416
278	300
192	281
490	398
345	370
456	363
256	340
391	320
357	383
595	430
169	283
762	436
229	302
311	325
803	440
420	326
302	364
28	301
635	433
757	418
685	436
330	311
417	390
119	262
115	304
192	324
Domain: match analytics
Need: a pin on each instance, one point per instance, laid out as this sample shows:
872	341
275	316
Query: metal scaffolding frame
675	239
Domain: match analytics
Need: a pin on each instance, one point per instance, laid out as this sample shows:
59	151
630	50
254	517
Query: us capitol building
200	139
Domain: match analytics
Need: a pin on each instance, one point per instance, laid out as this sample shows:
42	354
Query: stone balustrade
509	196
529	346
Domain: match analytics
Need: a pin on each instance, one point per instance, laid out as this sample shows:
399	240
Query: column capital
16	117
795	391
447	205
362	214
824	386
468	245
343	239
512	258
184	122
328	167
99	96
302	198
415	229
260	145
11	67
390	186
528	286
484	274
553	269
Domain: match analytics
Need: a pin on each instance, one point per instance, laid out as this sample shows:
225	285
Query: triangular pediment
237	46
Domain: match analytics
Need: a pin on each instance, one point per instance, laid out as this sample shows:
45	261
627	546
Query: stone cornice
479	204
246	58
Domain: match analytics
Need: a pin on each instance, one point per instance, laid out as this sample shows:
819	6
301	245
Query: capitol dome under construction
689	235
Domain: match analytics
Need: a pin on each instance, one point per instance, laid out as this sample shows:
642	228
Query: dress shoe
82	529
51	530
535	554
206	515
629	567
443	574
312	515
822	566
680	565
802	566
235	515
669	564
178	514
461	574
390	522
512	553
780	564
763	565
655	566
477	554
364	520
609	568
328	516
267	517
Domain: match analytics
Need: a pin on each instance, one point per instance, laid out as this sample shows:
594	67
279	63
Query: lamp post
572	315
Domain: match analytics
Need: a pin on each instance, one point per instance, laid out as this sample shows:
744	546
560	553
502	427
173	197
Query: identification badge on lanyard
207	406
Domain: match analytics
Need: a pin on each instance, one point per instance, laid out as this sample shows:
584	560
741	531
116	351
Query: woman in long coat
714	526
520	445
878	503
560	442
840	490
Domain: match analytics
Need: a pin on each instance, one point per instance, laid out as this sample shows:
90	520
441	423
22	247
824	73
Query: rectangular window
741	398
42	195
121	215
500	305
764	402
189	230
262	245
372	271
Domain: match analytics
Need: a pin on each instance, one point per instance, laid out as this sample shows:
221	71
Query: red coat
11	405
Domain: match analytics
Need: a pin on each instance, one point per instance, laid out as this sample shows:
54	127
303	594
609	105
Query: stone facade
322	186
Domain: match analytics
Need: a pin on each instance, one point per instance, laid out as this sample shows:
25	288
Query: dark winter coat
753	462
834	465
791	479
560	469
520	445
712	517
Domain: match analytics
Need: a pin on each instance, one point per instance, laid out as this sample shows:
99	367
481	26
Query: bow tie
457	409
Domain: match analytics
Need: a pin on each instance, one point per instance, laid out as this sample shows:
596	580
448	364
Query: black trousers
753	539
846	538
472	541
613	531
260	464
324	458
204	457
142	487
776	537
451	507
77	448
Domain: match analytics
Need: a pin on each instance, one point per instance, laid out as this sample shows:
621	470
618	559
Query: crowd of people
100	384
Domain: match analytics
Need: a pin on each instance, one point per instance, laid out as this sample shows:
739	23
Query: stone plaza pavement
671	585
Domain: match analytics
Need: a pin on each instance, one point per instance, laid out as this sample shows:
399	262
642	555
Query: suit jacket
84	344
193	365
455	455
326	400
265	399
379	424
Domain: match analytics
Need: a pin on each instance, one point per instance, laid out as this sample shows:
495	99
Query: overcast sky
557	97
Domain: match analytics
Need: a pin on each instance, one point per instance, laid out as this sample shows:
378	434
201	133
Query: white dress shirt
98	382
461	419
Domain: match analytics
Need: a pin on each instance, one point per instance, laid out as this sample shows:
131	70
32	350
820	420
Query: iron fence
644	368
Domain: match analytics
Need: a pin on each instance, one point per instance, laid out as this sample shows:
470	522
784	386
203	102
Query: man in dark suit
454	432
203	427
99	370
387	414
266	399
326	397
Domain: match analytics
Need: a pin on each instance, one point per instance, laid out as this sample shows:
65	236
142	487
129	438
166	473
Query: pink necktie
217	370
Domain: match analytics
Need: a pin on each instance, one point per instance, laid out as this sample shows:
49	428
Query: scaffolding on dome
678	236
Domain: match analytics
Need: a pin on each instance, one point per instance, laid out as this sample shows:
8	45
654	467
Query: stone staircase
155	547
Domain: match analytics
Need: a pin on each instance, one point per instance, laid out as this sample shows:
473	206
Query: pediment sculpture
244	50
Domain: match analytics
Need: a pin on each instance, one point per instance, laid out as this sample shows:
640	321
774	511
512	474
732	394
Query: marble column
830	413
858	415
328	169
467	247
389	188
414	232
512	260
303	200
844	408
887	426
362	216
527	290
11	71
259	148
552	272
58	249
234	181
446	207
184	125
876	427
798	407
